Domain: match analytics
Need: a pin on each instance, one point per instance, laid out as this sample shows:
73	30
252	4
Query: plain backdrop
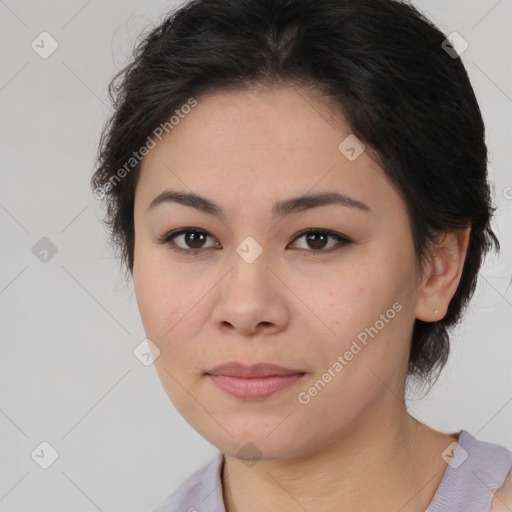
69	325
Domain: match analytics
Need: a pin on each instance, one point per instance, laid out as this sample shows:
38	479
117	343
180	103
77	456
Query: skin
354	446
502	501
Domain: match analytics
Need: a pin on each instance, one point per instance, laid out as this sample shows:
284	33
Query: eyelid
167	239
339	237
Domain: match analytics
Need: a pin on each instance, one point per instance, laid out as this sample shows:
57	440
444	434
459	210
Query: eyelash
167	240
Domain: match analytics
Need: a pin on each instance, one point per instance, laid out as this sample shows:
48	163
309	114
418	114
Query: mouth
235	369
255	382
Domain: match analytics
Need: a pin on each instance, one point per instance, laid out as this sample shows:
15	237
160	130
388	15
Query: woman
299	191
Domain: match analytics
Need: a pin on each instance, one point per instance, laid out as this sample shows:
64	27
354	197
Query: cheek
159	297
163	308
368	317
164	304
350	300
172	313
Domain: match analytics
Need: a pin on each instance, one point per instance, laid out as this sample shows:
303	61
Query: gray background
68	375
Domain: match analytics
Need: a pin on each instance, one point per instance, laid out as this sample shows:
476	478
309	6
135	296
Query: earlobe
443	274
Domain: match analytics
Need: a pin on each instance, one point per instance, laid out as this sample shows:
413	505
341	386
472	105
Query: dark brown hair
381	61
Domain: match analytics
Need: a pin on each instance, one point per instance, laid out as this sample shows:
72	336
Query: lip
255	382
255	388
235	369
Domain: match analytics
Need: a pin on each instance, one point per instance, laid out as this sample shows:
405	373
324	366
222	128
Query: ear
442	275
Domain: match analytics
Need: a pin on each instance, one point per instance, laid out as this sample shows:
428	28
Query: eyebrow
281	208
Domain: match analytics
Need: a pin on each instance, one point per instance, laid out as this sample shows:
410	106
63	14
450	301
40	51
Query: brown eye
317	240
187	240
194	239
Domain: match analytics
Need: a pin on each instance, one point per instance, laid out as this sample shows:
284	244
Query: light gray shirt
476	470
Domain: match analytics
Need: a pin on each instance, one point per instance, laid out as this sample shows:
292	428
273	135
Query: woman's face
251	290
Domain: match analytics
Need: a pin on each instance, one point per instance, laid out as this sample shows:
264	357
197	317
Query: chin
261	442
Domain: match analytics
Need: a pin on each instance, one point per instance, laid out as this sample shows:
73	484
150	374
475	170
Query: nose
251	300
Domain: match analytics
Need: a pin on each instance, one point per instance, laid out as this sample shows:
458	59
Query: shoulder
486	459
476	477
200	492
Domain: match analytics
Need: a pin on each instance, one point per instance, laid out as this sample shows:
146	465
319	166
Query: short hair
380	61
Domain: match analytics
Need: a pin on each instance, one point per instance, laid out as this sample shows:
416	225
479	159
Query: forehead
282	120
264	143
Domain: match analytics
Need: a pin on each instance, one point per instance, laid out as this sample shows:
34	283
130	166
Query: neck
384	462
